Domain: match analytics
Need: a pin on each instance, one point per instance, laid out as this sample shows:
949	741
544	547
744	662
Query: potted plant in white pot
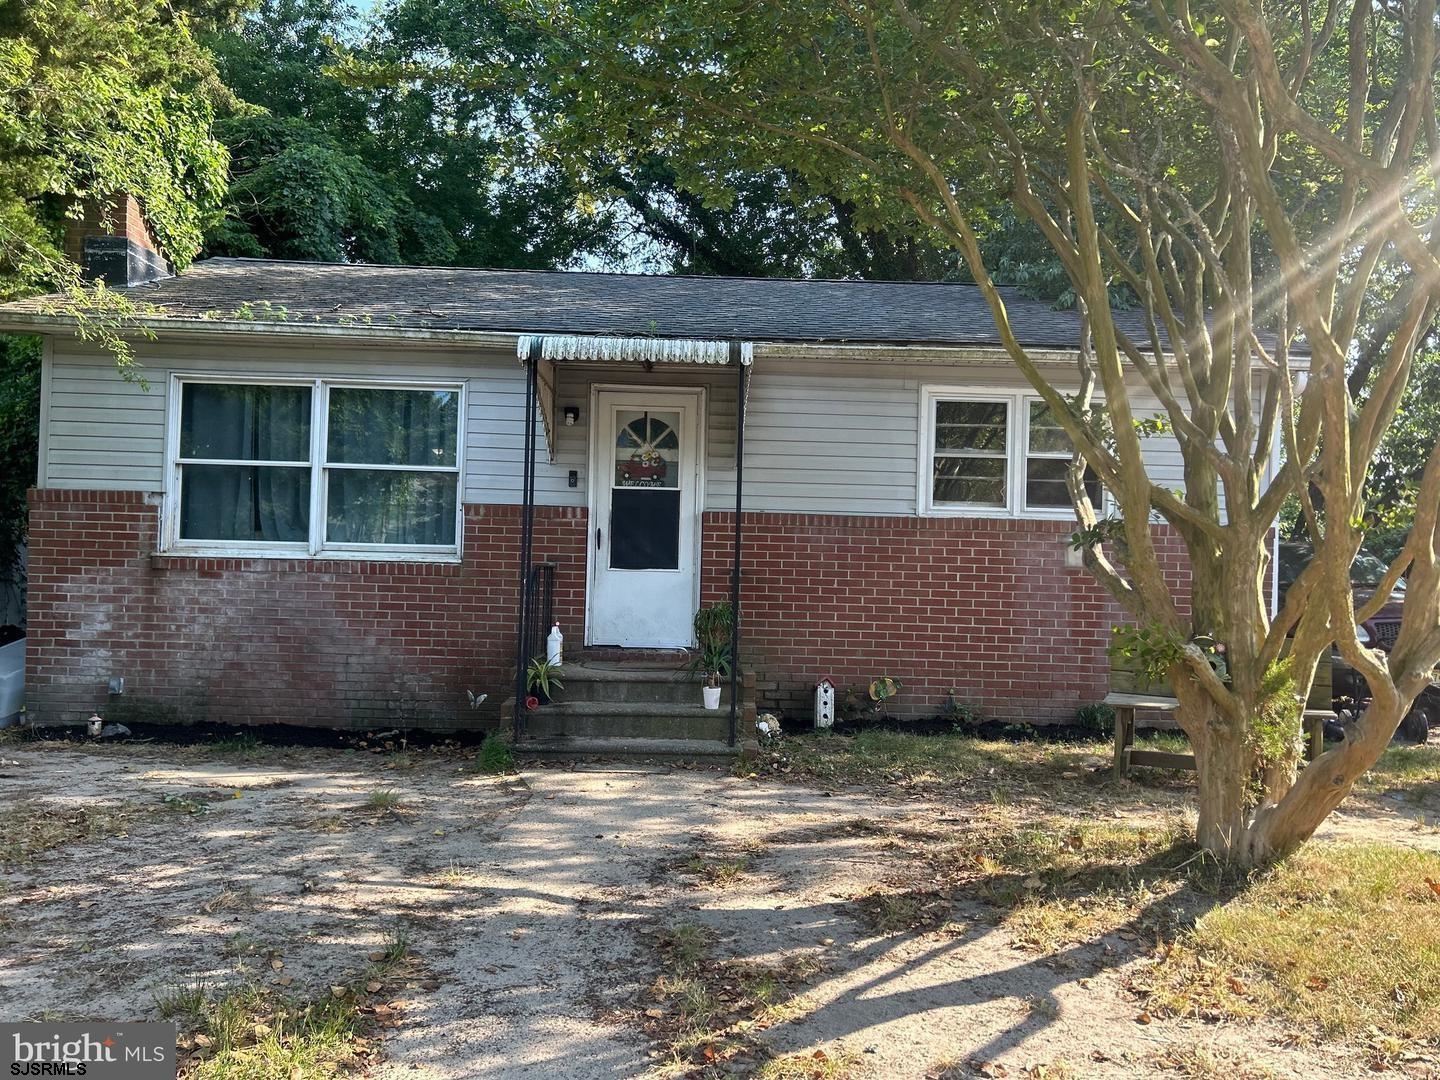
712	635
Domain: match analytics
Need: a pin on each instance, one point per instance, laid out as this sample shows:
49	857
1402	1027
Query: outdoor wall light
572	415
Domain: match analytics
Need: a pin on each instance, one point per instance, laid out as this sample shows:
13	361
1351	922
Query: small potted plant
712	635
715	660
541	677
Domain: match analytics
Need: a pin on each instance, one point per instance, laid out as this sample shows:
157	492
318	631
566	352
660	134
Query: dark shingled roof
759	309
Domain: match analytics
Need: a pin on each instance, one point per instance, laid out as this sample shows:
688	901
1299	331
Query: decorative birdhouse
824	704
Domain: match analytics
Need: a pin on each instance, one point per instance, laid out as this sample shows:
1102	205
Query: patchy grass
900	911
1412	772
241	744
495	756
890	757
255	1033
716	873
193	802
1171	742
230	898
1062	881
1342	937
810	1065
1204	1063
395	952
32	826
258	1033
1056	881
383	800
704	1011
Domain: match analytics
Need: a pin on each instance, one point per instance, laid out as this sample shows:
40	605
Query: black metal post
735	356
527	530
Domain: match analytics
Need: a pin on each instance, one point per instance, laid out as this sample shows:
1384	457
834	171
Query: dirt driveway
539	910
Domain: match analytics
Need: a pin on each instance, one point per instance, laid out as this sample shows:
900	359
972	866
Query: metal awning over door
548	349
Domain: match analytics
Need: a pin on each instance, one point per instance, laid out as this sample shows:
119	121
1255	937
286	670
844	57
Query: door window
645	491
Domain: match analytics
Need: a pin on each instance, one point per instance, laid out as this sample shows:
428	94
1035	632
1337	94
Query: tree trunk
1224	764
1281	828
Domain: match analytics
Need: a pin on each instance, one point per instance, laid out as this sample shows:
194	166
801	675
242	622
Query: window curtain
387	507
392	427
245	423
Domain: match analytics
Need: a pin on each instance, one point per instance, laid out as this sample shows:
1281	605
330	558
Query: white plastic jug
555	646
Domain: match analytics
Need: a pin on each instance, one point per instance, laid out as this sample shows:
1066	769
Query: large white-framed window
262	465
992	453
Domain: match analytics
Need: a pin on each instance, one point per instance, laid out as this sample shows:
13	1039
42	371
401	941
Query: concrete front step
629	749
615	654
634	683
626	719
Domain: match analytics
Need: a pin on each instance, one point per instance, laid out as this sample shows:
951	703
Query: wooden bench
1131	692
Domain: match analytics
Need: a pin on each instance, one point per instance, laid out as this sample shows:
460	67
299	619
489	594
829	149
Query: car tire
1415	728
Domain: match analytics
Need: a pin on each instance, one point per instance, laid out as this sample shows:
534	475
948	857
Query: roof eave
184	328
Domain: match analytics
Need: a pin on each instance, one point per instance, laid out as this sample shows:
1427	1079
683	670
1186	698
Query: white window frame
1066	513
1017	456
317	545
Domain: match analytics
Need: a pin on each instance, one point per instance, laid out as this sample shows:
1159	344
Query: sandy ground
530	903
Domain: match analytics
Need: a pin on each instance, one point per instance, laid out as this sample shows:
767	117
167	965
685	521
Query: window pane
393	427
1046	434
1045	483
368	506
647	449
244	502
245	423
978	481
970	425
645	529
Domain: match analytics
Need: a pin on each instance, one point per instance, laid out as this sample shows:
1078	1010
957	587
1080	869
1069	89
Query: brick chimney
111	242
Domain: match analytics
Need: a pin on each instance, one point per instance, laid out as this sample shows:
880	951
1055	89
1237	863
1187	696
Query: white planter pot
711	695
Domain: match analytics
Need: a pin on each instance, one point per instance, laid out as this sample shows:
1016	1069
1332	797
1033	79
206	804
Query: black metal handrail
540	612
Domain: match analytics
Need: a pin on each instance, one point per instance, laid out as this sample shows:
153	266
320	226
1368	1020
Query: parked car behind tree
1378	632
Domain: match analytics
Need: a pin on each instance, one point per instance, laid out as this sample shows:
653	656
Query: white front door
644	518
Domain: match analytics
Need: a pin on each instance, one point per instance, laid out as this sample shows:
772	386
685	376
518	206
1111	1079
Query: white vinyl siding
822	436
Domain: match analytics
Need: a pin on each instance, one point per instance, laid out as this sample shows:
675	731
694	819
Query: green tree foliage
390	171
101	96
97	97
19	431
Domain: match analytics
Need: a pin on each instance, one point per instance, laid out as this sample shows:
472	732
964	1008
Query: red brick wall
253	641
117	216
985	608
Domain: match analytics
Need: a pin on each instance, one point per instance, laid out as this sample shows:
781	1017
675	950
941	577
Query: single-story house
318	499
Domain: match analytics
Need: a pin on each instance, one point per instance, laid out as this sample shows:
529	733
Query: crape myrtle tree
1243	172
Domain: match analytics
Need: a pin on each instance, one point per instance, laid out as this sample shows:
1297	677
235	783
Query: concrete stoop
633	708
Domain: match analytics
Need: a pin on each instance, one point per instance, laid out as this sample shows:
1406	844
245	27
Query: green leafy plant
1110	530
495	756
1275	732
713	658
961	714
1153	650
882	690
1095	716
543	676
